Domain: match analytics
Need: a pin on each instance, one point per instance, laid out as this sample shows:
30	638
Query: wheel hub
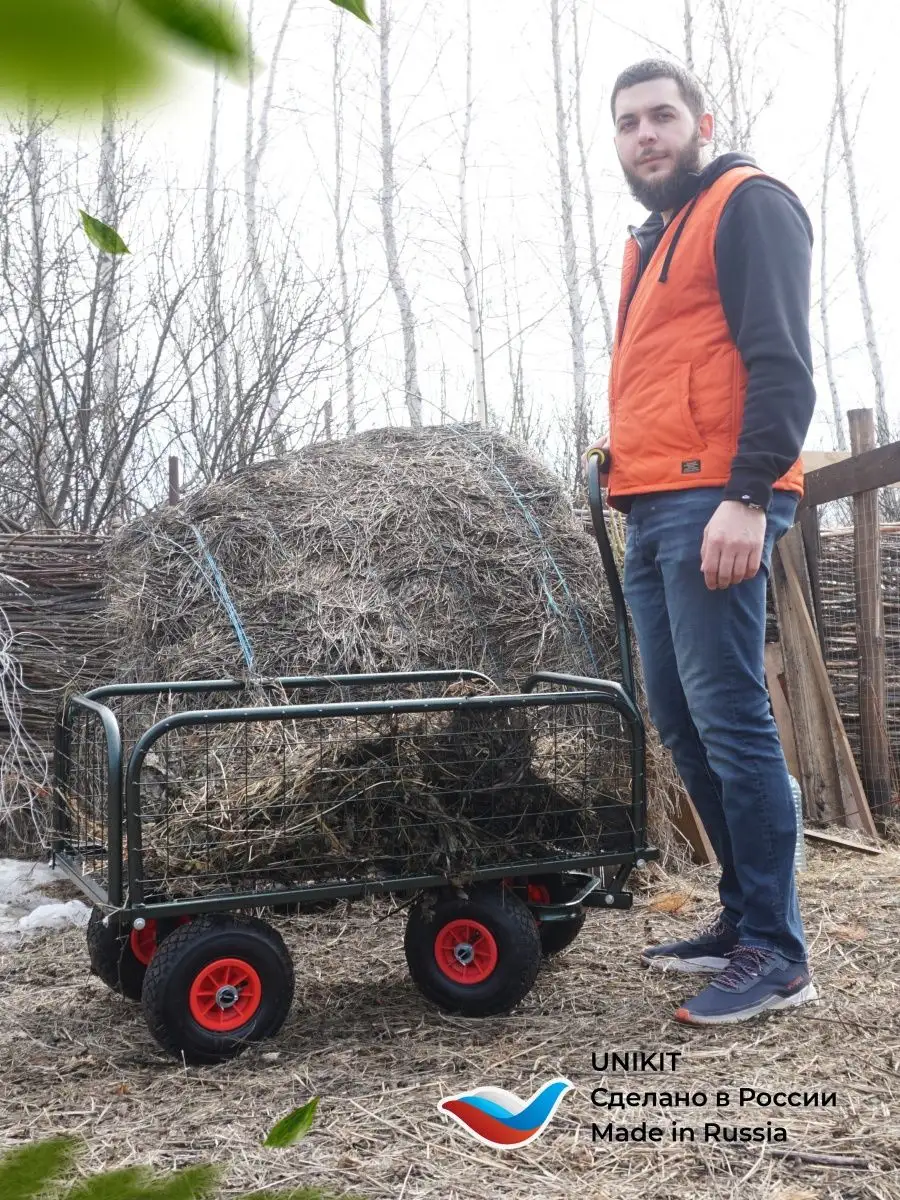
225	994
227	997
464	953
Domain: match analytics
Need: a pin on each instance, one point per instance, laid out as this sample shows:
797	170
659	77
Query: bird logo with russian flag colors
501	1119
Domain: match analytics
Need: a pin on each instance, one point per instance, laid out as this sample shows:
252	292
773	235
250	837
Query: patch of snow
56	915
21	879
23	906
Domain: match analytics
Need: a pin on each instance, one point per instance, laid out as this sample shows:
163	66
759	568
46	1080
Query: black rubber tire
557	935
184	953
514	931
112	958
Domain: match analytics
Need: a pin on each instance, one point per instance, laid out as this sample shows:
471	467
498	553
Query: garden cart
187	811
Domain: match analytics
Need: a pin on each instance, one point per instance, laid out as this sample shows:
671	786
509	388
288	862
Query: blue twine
536	529
214	578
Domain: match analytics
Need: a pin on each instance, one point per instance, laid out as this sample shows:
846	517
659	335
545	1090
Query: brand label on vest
691	467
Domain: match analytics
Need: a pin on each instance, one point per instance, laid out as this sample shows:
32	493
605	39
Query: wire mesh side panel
81	819
381	797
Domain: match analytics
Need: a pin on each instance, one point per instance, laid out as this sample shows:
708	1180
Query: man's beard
668	194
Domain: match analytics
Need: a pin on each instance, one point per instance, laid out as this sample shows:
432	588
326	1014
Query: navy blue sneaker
755	981
704	954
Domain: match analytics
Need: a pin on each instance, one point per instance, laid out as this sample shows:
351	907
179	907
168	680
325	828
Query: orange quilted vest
677	383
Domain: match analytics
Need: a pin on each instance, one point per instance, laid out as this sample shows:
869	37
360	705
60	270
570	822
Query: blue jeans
702	654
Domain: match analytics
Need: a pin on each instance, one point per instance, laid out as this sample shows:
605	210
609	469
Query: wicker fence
54	637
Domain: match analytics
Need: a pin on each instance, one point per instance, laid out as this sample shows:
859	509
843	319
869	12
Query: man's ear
706	127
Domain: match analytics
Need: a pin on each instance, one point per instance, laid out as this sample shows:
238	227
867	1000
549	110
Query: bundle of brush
395	550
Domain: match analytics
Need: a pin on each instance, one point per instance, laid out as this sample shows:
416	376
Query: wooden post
876	753
174	479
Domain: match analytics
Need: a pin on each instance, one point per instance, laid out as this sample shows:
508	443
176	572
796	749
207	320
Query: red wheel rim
225	995
538	893
143	942
466	951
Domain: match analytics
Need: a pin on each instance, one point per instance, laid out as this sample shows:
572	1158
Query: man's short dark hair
659	68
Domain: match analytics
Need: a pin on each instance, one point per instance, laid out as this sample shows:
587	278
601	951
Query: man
711	396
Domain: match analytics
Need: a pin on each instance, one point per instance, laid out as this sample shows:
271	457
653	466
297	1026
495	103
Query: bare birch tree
38	429
688	35
219	397
587	191
729	41
110	332
413	395
570	258
860	252
836	407
341	218
256	141
470	280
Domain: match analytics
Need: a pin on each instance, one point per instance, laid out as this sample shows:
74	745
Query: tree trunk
859	241
823	302
570	261
254	150
388	190
40	424
740	139
216	321
596	273
340	227
110	331
473	306
688	35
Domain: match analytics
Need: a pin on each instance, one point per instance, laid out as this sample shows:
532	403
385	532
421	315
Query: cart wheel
555	935
120	956
477	956
112	957
216	985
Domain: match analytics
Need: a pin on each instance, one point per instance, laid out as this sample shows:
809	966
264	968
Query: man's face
659	142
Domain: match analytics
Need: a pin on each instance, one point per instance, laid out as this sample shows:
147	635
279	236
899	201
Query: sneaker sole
685	966
806	995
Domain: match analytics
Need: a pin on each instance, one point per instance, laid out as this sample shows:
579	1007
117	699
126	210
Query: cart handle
596	459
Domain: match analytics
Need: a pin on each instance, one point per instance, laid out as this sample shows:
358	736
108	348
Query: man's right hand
602	443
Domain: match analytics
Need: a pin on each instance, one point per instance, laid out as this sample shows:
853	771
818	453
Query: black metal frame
123	809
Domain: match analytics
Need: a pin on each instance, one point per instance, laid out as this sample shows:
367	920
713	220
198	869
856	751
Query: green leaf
201	25
357	7
137	1183
70	52
293	1127
28	1171
103	237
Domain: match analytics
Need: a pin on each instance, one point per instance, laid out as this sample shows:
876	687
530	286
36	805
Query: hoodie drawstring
664	273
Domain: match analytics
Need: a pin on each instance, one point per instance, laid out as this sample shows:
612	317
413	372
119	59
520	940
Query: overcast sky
513	181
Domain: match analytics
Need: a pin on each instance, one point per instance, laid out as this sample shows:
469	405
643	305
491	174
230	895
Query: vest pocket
694	439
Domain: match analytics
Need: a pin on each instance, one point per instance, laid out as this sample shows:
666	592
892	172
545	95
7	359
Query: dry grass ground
78	1058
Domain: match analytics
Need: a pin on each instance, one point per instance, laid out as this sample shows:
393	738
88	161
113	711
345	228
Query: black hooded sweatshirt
763	254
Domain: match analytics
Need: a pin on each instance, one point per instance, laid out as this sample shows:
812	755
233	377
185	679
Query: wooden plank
816	765
812	545
873	469
851	794
687	821
793	548
816	835
781	708
814	460
876	752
